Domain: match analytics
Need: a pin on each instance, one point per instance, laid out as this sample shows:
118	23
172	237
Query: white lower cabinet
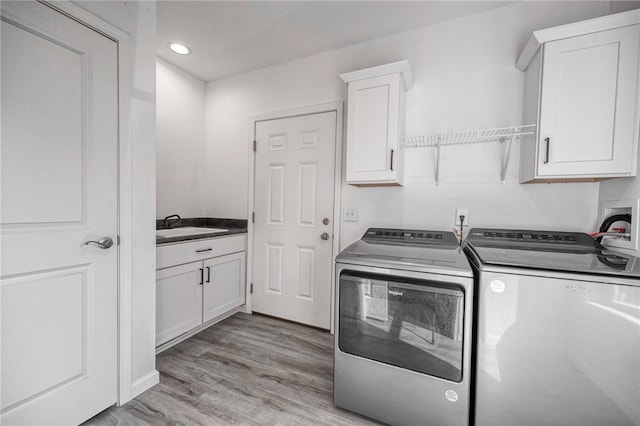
206	285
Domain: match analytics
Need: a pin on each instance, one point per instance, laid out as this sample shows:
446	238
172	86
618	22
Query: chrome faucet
165	221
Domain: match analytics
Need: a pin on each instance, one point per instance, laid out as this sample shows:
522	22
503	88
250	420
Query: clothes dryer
403	328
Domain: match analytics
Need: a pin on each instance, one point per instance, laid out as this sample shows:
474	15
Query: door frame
338	108
124	245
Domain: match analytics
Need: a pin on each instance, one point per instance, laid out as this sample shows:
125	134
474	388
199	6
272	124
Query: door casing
338	107
127	390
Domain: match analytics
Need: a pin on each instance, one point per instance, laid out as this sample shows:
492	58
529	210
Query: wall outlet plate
630	206
462	212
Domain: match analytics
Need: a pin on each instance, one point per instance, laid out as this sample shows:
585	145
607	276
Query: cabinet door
224	284
178	300
373	129
588	105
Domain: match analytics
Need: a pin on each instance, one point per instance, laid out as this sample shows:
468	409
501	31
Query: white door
59	190
294	198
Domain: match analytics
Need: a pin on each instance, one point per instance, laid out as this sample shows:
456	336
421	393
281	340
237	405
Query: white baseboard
145	383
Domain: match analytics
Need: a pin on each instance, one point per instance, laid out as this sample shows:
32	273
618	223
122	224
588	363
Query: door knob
103	243
324	236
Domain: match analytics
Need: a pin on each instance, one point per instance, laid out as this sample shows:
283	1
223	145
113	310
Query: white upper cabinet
581	90
375	123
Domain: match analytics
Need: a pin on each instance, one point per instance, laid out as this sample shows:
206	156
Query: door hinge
255	146
251	288
117	240
253	217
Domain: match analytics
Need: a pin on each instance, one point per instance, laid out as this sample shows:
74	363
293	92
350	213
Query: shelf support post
438	160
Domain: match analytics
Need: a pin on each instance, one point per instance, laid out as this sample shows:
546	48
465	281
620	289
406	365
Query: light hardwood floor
245	370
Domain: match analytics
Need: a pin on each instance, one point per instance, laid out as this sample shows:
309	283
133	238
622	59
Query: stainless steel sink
187	231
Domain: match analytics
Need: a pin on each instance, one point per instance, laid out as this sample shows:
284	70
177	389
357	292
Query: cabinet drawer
191	251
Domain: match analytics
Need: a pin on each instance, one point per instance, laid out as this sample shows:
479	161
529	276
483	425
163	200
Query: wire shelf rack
503	134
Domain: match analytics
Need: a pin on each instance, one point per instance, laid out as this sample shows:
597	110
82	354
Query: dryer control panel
411	236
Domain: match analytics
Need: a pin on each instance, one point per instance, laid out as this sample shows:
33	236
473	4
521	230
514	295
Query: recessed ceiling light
179	48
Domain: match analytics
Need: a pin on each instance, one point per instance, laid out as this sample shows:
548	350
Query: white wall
180	145
625	188
621	189
465	79
138	20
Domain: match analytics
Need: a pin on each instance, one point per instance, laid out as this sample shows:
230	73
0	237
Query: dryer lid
410	250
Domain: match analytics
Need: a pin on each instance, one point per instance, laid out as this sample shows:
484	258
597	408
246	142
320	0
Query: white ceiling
232	37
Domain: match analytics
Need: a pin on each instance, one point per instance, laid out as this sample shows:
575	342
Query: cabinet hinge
251	288
255	146
253	217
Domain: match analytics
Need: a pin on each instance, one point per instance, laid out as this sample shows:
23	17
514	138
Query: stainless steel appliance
558	330
403	328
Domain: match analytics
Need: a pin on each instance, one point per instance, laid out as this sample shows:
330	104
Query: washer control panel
524	239
530	236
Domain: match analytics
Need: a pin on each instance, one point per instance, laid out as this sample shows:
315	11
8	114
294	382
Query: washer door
412	324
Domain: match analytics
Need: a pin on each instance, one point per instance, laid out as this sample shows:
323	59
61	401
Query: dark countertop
234	226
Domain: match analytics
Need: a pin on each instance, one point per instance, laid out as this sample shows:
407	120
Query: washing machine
558	330
404	306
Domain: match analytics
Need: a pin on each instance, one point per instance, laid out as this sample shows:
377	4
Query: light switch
350	214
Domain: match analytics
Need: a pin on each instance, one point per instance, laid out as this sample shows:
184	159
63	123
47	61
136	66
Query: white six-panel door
59	190
294	204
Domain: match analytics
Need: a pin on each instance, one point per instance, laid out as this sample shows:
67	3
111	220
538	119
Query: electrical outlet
462	212
350	214
632	207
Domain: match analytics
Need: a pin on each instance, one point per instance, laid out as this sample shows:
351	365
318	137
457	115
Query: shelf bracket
507	157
